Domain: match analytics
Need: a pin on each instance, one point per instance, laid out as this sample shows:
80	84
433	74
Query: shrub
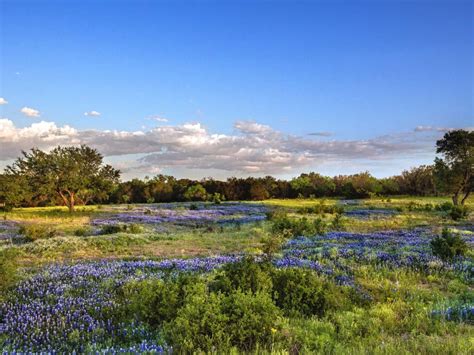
200	325
321	208
82	232
158	301
251	319
298	292
246	275
445	206
447	246
271	244
458	212
111	229
125	228
34	232
217	198
337	222
282	224
8	267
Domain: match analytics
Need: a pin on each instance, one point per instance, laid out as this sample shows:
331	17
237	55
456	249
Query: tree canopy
454	171
75	174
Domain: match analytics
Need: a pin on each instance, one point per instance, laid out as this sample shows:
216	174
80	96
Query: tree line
77	175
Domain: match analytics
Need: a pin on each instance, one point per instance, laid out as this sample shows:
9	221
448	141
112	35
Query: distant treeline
417	181
162	188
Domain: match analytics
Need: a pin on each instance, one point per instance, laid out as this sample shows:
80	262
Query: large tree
454	172
75	174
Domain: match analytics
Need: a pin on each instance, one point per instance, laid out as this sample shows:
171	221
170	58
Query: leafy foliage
74	174
455	171
448	245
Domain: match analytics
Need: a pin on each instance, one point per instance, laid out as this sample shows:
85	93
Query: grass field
368	281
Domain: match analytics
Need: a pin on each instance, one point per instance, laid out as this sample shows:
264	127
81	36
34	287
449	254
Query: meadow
325	276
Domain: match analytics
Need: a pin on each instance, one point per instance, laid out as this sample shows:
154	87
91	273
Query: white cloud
3	101
251	127
158	118
254	149
30	112
92	113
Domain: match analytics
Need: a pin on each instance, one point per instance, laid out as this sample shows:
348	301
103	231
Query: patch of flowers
410	249
66	307
463	312
8	230
370	213
183	214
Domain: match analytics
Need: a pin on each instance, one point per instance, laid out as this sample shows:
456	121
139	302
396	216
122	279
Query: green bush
299	291
246	275
124	228
448	245
82	232
445	206
282	224
158	301
8	268
458	212
271	244
337	222
200	325
33	232
321	208
251	318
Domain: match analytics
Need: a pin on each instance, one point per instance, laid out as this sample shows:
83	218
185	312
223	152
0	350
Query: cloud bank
252	148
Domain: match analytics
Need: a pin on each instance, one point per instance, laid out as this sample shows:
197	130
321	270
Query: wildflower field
280	276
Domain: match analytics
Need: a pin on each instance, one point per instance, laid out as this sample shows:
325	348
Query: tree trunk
68	201
465	197
455	199
71	202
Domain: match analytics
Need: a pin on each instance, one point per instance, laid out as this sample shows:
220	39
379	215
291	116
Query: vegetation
312	274
71	173
455	171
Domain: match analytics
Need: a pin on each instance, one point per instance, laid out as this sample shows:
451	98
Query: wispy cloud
158	118
30	112
321	134
432	129
3	101
92	113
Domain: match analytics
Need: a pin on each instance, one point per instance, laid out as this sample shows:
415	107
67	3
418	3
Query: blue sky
357	70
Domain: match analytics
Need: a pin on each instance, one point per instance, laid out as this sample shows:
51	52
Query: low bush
293	227
251	319
298	292
33	232
158	301
320	209
8	268
448	245
458	212
200	325
247	276
124	228
82	232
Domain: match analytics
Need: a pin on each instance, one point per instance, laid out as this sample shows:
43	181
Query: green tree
195	193
454	171
75	174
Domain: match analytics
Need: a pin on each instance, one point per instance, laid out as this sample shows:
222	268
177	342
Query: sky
237	88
